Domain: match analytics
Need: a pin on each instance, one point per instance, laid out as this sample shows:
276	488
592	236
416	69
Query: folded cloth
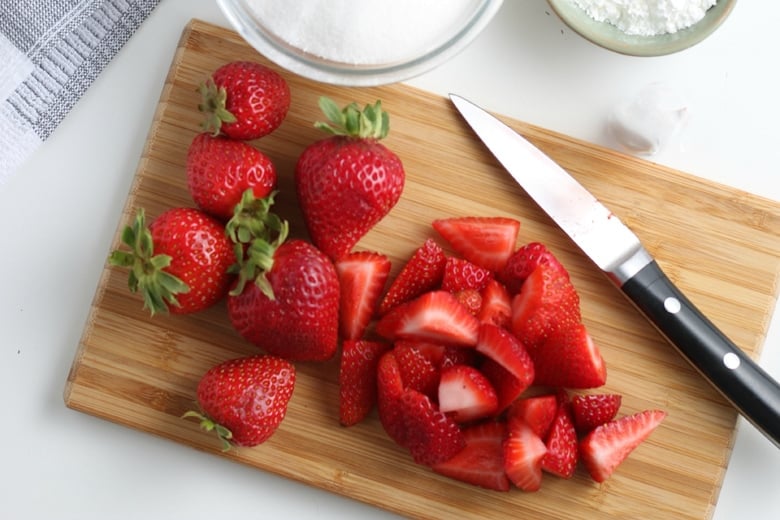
50	53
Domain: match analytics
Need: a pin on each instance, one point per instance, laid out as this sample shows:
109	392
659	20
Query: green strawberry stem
147	270
213	106
208	425
370	123
256	233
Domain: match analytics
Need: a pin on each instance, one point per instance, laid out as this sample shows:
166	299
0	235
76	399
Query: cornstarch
363	32
647	17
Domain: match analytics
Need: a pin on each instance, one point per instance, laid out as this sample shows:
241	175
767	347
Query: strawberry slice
504	348
419	367
435	316
358	379
460	274
522	263
431	436
481	461
466	394
606	447
561	442
422	272
485	241
390	388
538	412
547	301
457	356
523	453
508	387
362	276
496	304
569	359
592	410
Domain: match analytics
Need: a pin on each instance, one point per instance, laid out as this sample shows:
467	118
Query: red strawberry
523	453
179	262
460	274
522	263
357	379
496	304
362	276
537	411
569	359
508	387
561	442
504	348
457	356
466	394
219	170
244	100
348	182
592	410
485	241
290	310
606	447
244	400
423	272
435	316
481	461
419	370
431	436
390	388
547	301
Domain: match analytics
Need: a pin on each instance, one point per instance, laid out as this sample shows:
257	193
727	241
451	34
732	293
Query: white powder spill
647	17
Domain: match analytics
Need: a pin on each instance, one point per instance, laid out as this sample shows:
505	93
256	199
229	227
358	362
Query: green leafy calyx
213	100
370	123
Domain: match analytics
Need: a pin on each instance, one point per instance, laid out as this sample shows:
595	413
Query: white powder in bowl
647	17
364	32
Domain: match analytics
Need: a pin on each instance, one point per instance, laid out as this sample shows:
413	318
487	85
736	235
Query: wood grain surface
720	245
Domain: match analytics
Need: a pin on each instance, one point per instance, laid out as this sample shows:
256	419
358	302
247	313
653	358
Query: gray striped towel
50	53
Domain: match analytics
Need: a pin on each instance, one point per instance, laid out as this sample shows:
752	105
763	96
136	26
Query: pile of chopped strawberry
476	353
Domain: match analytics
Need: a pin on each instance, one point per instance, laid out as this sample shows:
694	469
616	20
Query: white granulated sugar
647	17
363	32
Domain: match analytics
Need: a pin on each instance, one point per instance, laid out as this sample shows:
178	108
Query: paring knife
617	251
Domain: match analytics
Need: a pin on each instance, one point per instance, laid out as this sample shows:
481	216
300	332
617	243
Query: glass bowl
379	42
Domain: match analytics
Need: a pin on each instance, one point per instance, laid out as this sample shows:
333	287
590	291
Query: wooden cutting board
721	246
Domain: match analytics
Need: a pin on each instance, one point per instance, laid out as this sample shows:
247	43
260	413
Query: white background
58	215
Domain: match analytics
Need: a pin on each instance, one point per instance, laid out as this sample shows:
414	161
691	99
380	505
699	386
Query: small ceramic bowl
421	44
610	37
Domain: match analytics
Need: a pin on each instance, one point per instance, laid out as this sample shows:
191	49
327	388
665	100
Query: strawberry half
561	442
418	366
505	349
390	388
358	379
481	461
592	410
523	453
436	316
569	359
466	394
606	447
485	241
538	412
431	436
423	272
523	262
362	276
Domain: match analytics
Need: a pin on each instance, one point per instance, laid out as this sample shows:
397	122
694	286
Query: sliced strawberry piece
508	387
561	442
481	462
569	359
504	348
460	274
547	301
466	394
592	410
471	299
435	316
522	263
418	370
496	304
538	412
485	241
358	379
431	436
523	453
390	388
457	356
422	272
362	277
606	447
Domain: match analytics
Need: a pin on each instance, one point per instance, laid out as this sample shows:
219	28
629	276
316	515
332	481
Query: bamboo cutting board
720	245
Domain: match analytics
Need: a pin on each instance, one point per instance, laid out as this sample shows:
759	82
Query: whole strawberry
219	170
179	262
347	182
244	100
244	400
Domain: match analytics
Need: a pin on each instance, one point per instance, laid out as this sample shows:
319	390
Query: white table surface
58	215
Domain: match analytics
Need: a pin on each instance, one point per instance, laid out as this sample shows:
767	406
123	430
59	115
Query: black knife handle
752	391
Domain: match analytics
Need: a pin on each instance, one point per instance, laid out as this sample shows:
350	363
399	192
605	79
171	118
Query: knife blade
618	252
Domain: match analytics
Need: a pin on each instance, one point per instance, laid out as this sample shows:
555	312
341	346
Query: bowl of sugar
643	27
359	42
